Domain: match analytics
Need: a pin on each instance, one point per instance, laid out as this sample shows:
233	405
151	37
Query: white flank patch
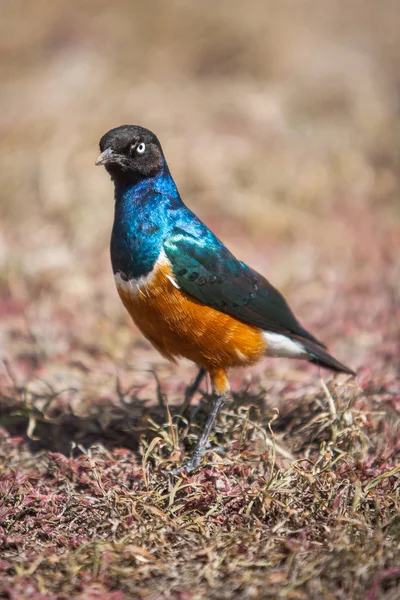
138	285
280	345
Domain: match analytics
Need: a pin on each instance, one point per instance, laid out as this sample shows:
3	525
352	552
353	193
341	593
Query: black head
131	152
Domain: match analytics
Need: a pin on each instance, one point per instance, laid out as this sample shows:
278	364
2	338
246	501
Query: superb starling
187	293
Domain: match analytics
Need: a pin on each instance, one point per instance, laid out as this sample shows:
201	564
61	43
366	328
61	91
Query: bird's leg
201	446
221	386
191	390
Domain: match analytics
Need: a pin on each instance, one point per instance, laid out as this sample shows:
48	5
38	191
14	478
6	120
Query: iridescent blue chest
141	224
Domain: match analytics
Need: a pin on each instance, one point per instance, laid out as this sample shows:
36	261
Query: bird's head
131	152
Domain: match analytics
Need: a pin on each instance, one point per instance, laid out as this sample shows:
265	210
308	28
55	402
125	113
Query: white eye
141	148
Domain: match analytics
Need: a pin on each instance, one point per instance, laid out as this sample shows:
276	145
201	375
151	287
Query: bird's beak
104	157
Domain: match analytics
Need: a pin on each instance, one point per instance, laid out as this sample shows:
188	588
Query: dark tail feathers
320	357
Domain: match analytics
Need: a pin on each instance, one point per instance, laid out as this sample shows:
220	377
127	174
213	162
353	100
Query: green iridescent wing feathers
212	275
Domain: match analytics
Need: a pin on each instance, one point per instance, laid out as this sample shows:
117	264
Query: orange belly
180	326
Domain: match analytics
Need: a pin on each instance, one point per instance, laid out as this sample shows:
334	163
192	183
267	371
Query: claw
188	466
191	464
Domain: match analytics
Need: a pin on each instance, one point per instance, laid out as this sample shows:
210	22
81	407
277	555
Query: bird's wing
205	269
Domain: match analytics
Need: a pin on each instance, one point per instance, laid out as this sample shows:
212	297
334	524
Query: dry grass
304	504
280	123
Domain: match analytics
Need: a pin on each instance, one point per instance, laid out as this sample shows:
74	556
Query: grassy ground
280	124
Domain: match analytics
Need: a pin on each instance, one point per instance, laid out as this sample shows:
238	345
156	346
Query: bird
183	288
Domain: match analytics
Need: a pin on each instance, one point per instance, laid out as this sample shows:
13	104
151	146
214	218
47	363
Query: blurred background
280	122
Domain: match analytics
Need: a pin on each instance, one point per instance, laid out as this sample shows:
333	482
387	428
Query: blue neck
142	222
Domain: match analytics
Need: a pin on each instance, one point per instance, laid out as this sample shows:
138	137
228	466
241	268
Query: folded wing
206	270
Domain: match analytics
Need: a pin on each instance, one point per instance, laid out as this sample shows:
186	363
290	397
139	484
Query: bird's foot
191	464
